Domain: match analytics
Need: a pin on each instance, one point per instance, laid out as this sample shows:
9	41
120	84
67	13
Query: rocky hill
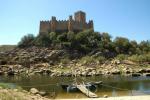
35	60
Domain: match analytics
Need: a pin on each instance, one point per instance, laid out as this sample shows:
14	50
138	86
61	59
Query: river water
112	85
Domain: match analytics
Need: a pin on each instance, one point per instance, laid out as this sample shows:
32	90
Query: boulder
3	62
1	72
34	91
38	72
127	71
16	90
105	96
47	71
107	72
142	71
148	70
147	74
11	72
115	72
42	93
136	74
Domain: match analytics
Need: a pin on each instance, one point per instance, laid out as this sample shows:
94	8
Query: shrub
87	59
122	57
42	40
101	59
65	60
26	41
140	58
91	59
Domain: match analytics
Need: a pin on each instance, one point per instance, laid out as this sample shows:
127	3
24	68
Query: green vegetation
6	47
9	86
140	58
122	57
26	41
91	59
4	85
88	41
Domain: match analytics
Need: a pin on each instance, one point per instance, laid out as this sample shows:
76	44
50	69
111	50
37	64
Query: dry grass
10	94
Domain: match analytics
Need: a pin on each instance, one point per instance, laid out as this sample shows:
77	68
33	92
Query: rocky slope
63	63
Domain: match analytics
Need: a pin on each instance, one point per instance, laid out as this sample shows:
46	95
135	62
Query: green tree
144	46
71	36
133	47
26	40
43	40
53	36
122	45
88	40
106	42
62	37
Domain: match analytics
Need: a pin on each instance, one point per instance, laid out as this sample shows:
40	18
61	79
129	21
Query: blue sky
126	18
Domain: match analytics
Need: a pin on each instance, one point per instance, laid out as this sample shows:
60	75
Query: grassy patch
10	86
64	69
6	47
91	59
5	85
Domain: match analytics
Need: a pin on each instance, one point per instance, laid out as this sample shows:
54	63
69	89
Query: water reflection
128	85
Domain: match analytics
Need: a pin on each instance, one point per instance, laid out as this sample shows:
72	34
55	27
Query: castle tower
53	24
91	26
70	27
80	16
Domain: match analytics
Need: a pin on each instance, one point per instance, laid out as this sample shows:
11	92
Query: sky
125	18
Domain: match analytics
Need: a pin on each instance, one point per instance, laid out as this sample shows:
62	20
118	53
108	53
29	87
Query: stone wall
44	26
62	25
75	25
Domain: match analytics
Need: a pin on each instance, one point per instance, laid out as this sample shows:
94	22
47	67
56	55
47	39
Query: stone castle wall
62	25
76	25
44	26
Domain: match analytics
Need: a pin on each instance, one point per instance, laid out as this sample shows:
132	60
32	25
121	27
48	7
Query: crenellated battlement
44	22
62	21
76	24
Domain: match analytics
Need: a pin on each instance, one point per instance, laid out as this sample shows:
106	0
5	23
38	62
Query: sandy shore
144	97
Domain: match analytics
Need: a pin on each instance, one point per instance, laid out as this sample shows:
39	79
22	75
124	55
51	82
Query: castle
75	25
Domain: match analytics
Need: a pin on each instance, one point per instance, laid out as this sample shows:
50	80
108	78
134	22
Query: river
113	85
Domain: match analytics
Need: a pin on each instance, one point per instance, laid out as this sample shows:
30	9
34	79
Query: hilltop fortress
76	24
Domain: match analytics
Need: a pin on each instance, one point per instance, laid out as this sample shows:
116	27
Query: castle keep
76	24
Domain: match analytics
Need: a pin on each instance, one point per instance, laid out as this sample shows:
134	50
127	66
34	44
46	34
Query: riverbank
36	85
143	97
29	61
113	67
14	94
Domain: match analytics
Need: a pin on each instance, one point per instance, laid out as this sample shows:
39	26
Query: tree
88	40
144	46
71	36
122	45
62	37
43	40
53	36
106	42
26	40
133	47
